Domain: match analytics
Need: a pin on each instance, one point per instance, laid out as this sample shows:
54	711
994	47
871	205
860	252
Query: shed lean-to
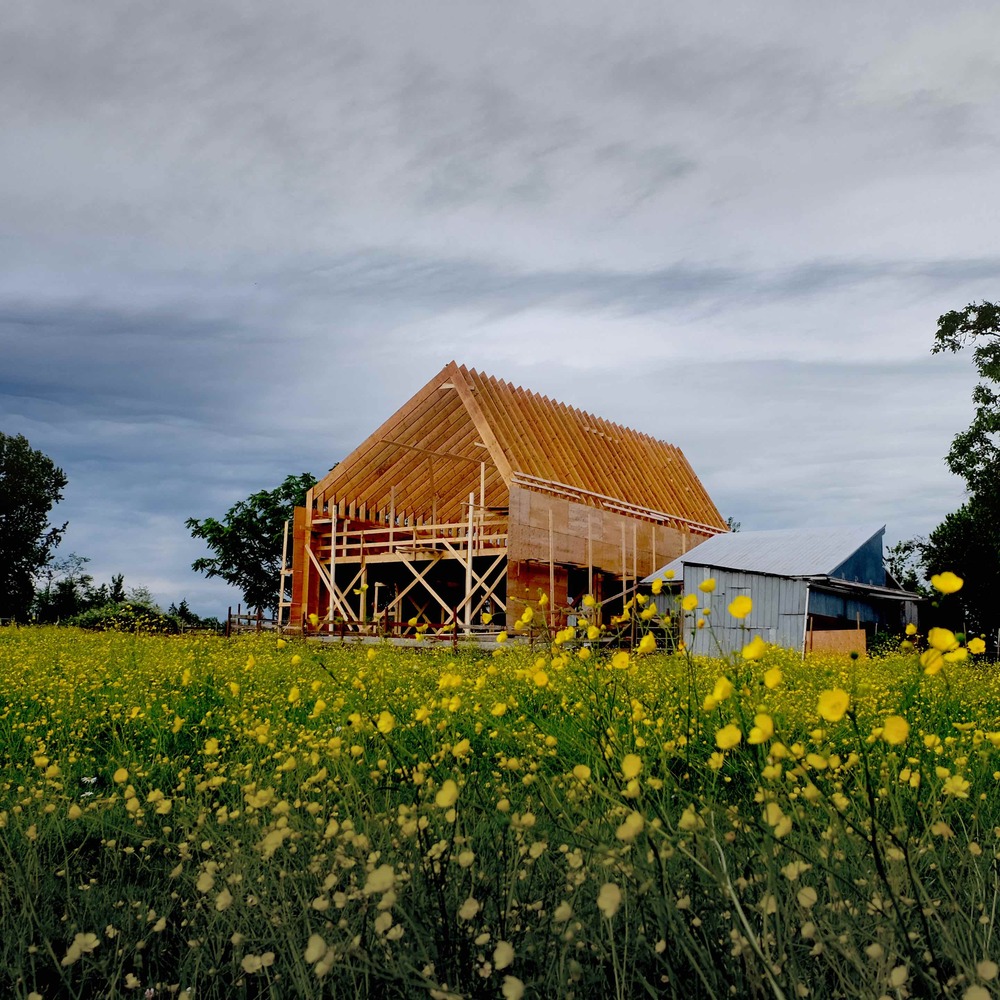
812	589
477	495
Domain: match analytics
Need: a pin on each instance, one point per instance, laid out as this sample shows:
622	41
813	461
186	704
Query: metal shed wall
778	614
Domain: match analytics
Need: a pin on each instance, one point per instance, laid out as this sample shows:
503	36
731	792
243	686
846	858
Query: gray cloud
235	237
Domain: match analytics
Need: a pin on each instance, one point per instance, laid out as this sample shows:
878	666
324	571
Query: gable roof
782	552
428	455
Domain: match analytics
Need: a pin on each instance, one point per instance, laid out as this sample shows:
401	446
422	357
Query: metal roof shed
812	588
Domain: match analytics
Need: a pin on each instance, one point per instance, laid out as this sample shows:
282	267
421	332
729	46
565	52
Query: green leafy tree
30	485
968	541
247	541
68	589
904	563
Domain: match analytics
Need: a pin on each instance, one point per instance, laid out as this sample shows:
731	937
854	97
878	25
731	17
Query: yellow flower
512	988
942	638
631	827
728	737
503	954
593	632
956	786
723	689
754	649
932	660
486	618
447	795
911	629
772	678
294	695
609	899
690	602
895	730
386	722
590	601
500	708
527	615
740	606
976	646
620	660
314	619
658	586
501	636
647	644
833	704
82	944
631	766
581	772
120	776
707	586
763	729
946	582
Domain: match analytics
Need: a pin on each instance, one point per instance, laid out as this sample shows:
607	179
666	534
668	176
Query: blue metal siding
865	565
777	615
841	606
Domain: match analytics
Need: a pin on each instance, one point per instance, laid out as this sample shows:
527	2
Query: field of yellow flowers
201	817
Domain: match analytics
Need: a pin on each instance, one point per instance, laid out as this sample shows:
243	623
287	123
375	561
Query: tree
30	485
904	561
968	541
68	589
247	542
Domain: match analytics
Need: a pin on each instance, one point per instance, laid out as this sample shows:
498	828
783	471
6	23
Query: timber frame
478	496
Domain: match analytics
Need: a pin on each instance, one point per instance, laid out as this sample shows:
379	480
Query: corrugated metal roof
784	552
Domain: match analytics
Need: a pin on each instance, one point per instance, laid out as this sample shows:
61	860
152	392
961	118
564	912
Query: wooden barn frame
476	496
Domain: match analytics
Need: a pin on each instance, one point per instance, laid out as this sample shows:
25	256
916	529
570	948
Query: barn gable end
477	495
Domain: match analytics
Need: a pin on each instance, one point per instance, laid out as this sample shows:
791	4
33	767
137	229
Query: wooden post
468	568
552	574
482	495
392	515
624	566
635	554
590	558
284	565
333	571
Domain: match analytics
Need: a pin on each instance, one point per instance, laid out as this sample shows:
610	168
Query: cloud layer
235	237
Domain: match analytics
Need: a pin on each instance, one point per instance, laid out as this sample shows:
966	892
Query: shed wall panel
777	615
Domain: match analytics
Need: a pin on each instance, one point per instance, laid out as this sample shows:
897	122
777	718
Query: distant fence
247	621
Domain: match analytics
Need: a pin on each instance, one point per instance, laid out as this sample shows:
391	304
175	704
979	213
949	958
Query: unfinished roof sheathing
428	455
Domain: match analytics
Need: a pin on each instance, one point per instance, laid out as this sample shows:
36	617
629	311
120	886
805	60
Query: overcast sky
236	236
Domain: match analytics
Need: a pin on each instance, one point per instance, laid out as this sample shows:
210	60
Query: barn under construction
478	496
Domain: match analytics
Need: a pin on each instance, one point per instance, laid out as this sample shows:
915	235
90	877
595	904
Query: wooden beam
436	454
496	450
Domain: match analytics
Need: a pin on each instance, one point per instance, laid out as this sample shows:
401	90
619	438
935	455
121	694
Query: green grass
235	819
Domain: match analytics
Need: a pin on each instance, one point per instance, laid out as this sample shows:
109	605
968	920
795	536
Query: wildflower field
201	817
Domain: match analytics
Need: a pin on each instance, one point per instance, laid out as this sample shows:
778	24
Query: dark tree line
967	541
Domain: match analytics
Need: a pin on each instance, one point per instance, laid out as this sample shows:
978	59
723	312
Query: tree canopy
30	485
247	541
968	541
